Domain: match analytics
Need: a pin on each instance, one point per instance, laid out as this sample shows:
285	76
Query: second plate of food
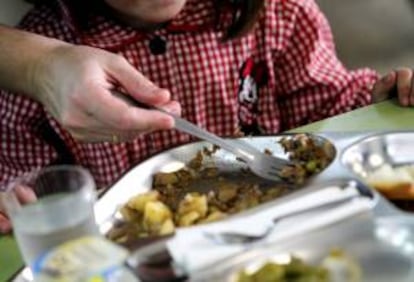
358	250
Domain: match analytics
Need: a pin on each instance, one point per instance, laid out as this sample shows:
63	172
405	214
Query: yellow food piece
336	267
167	227
193	202
214	216
295	270
270	272
188	218
342	267
243	276
129	214
155	214
139	202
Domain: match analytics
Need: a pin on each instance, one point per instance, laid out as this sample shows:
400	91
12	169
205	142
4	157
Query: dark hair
245	13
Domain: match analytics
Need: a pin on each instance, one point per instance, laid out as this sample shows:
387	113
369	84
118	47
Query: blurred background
374	33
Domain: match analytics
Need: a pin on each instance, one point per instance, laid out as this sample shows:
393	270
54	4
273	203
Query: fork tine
279	165
276	167
277	173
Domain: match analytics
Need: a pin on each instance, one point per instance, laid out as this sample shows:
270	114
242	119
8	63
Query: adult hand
400	81
74	84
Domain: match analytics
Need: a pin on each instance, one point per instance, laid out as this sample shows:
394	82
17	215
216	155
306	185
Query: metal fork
242	238
362	191
261	164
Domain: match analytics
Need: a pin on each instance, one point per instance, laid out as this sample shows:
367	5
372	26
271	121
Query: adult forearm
20	54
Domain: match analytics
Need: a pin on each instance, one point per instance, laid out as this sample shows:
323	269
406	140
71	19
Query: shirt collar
107	33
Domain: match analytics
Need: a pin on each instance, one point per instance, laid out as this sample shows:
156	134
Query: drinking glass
50	206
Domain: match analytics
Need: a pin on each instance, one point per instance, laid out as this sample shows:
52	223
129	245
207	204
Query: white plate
139	179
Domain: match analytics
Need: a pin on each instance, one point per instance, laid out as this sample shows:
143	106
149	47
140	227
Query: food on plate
393	182
309	156
336	267
179	199
295	270
341	267
160	211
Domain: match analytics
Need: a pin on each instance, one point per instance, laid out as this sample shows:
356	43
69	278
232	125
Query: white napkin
192	250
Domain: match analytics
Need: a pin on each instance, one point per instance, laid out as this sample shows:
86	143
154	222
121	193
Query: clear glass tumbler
50	206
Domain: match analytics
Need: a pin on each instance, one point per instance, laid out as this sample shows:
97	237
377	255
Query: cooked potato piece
244	277
156	213
129	214
167	227
188	218
139	202
193	202
270	272
214	216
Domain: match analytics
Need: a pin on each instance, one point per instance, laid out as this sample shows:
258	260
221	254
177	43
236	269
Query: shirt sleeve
22	146
312	83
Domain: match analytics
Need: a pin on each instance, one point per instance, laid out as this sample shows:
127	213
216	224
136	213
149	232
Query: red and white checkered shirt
284	74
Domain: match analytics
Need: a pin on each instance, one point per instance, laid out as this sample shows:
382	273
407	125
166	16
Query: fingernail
173	109
168	122
163	91
176	110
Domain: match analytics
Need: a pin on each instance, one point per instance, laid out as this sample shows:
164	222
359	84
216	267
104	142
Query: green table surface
10	259
383	116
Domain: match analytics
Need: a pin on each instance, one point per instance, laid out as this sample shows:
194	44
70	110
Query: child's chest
200	66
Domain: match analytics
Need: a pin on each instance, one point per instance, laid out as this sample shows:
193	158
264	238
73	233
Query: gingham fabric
305	82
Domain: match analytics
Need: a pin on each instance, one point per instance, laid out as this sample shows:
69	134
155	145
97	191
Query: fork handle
190	128
316	207
242	150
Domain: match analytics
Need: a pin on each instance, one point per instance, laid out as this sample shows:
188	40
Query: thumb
136	84
383	87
